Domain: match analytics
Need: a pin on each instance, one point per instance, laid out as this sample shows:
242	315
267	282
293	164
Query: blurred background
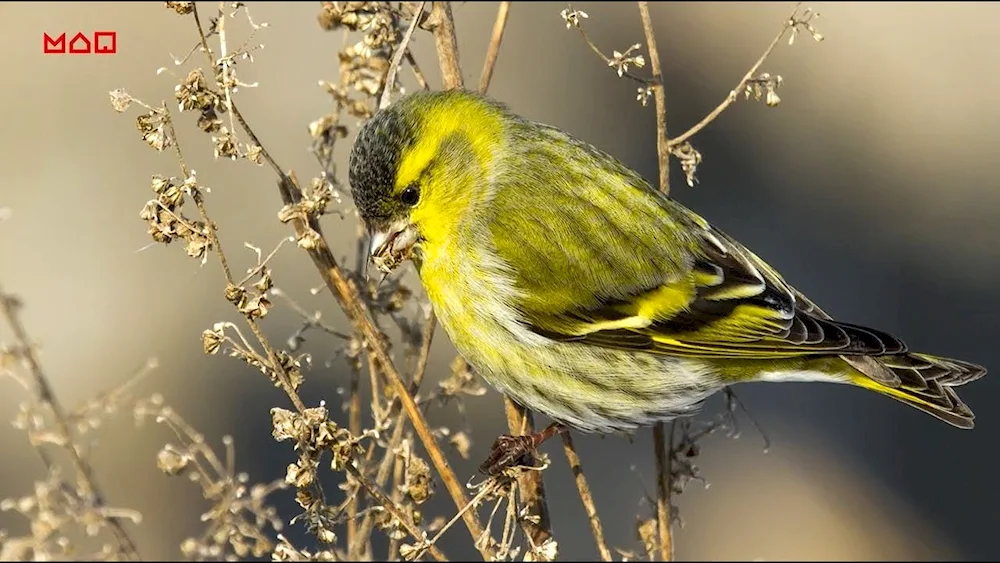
873	187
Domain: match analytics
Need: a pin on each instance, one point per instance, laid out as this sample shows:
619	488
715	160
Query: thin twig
663	488
398	478
659	95
311	320
588	501
789	23
213	239
494	49
397	58
663	470
399	425
9	306
385	466
426	340
354	426
608	60
395	510
443	25
483	493
272	358
417	73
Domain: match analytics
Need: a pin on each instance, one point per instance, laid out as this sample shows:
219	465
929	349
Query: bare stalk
663	489
663	470
494	49
588	500
789	23
399	425
443	25
9	306
397	58
394	509
659	96
427	339
354	426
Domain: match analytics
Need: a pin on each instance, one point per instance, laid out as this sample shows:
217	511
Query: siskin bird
580	291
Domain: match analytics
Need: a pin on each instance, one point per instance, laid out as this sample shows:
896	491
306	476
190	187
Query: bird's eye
410	195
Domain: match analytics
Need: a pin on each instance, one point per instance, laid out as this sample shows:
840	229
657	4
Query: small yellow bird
576	288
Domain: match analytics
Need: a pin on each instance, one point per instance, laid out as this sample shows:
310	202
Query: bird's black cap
374	160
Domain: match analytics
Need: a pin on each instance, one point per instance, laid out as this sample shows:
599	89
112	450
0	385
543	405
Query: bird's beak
392	245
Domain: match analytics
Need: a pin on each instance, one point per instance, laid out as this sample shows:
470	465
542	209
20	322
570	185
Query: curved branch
790	23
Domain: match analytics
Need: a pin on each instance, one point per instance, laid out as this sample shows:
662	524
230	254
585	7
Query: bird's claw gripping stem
510	451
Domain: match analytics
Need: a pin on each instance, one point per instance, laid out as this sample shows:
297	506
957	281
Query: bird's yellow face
416	167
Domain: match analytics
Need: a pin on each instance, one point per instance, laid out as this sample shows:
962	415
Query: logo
97	43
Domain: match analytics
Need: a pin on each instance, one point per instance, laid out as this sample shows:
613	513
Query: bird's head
418	165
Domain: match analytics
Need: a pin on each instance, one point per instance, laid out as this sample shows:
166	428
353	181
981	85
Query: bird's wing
730	304
714	299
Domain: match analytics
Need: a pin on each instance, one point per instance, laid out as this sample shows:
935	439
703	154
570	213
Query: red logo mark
100	43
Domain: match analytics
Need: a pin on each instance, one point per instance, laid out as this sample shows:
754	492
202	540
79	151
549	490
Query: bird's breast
474	302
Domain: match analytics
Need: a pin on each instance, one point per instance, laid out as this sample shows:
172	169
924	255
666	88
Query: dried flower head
690	159
804	22
764	85
572	17
418	482
182	8
120	100
620	61
155	129
645	92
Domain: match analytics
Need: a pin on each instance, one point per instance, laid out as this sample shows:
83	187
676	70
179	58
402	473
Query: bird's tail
921	381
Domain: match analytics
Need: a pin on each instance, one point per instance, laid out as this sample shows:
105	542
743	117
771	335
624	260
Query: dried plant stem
608	60
272	357
386	465
663	470
394	509
354	426
373	379
584	489
216	244
663	488
417	73
443	25
349	297
397	58
659	96
789	23
530	486
494	49
46	396
398	478
426	340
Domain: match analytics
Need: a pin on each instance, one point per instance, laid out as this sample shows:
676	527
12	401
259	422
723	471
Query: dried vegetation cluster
388	457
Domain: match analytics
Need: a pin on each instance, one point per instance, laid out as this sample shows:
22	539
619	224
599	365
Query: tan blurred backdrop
873	186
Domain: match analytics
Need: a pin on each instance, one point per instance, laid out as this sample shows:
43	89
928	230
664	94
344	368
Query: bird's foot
511	451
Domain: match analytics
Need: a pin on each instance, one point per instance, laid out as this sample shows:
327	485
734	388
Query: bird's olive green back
578	228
